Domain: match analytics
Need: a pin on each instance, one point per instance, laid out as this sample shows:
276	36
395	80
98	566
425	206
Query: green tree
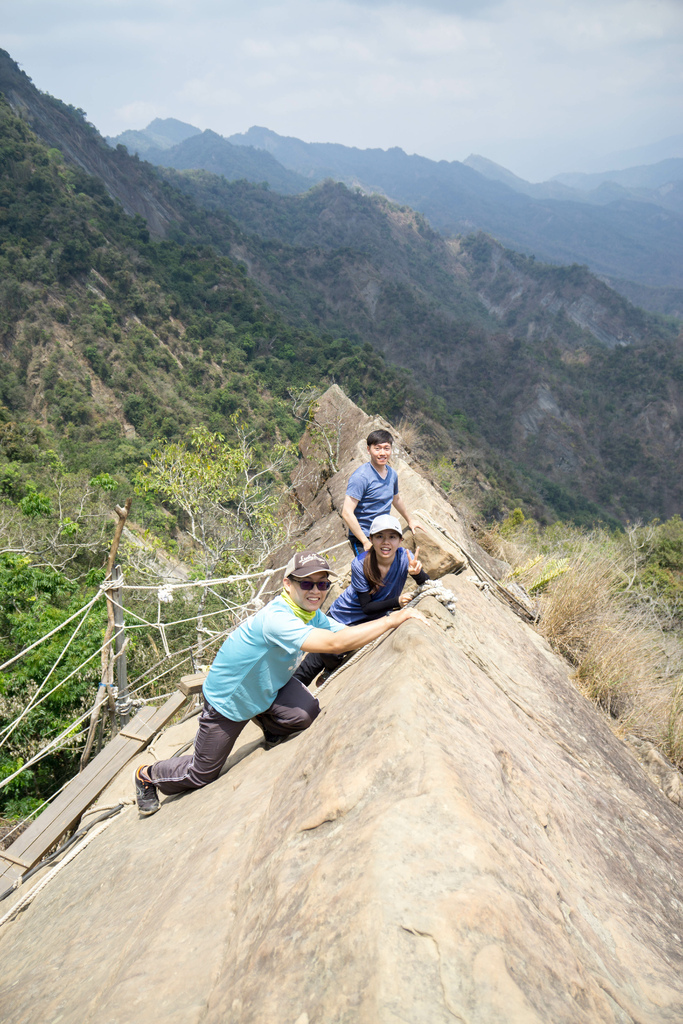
229	502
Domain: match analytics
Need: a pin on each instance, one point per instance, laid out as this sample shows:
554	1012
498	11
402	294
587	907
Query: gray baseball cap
385	522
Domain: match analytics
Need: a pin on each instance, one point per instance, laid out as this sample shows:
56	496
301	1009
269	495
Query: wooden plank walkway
33	844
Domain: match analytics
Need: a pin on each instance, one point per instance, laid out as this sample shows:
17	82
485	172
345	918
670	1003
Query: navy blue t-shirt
375	495
347	608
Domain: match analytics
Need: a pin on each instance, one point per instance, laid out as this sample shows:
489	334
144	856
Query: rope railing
52	632
67	734
36	703
109	587
8	730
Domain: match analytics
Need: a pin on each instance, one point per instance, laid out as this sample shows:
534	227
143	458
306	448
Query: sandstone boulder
438	553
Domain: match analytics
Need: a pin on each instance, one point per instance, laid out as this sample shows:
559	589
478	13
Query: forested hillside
557	371
106	330
626	232
623	238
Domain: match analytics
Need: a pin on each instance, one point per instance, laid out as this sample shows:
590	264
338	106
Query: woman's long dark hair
371	569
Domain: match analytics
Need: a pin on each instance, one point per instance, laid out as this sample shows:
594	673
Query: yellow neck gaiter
300	613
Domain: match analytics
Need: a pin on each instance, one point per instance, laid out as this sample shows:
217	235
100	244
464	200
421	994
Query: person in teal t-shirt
251	678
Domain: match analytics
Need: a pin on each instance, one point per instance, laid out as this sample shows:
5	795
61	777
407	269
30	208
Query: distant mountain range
171	143
651	153
625	225
661	184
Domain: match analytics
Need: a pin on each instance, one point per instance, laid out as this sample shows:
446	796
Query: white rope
33	892
110	584
169	588
44	753
8	730
436	589
61	683
48	635
64	734
160	626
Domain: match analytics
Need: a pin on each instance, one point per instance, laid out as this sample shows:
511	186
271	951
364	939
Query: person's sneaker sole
146	797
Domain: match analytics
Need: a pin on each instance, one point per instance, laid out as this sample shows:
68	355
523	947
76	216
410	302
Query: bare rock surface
459	837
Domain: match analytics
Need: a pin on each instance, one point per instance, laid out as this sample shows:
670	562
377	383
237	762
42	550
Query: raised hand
414	564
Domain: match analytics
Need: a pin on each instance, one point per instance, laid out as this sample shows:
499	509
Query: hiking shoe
146	796
270	739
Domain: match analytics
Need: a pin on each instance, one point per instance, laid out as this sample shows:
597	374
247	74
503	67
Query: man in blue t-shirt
250	678
371	491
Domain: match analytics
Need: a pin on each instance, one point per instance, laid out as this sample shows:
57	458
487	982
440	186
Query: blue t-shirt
347	608
257	659
374	494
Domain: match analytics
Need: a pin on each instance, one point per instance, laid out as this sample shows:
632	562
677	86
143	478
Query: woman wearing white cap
378	577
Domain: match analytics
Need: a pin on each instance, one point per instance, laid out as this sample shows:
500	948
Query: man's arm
323	641
349	517
400	507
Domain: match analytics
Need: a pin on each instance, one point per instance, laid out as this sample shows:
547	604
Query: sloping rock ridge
62	127
459	837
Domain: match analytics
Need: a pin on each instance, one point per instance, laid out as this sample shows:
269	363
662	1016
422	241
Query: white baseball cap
385	522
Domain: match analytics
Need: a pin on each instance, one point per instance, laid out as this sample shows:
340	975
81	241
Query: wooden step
192	684
66	810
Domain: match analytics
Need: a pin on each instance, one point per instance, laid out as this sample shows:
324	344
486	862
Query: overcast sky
541	86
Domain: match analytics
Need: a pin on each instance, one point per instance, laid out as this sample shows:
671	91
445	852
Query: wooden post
119	646
107	674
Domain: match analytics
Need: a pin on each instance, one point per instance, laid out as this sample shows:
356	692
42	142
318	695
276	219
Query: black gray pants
313	664
293	710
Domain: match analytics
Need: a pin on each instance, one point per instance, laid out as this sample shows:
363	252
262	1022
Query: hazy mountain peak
172	129
643	176
654	152
161	133
494	171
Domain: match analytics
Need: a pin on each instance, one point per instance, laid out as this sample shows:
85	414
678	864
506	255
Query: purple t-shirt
375	495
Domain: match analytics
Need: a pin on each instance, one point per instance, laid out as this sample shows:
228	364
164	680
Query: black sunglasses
309	584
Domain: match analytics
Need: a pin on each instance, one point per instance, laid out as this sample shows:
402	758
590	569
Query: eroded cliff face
82	145
459	836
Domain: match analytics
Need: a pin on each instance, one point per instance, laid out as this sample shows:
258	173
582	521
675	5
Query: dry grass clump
584	618
624	661
410	437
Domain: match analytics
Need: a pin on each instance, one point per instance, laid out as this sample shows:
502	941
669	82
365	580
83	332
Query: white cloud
139	113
